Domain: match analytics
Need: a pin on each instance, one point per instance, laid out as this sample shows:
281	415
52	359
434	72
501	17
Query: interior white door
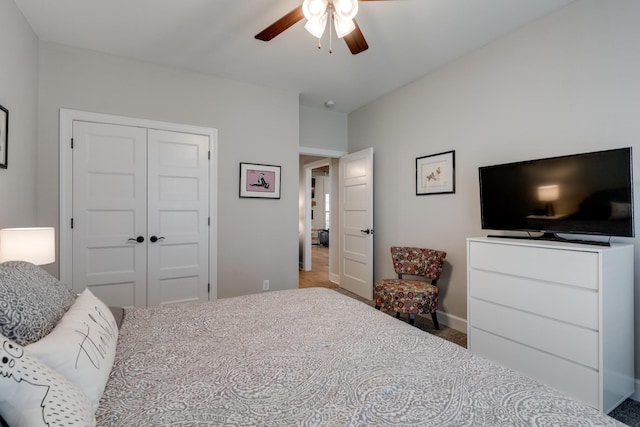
356	222
178	217
110	212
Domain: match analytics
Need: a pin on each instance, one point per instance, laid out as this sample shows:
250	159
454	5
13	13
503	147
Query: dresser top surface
549	244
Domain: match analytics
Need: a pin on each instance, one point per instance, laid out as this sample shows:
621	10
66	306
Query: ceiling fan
339	13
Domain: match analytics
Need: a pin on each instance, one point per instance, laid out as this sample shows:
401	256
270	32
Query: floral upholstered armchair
410	295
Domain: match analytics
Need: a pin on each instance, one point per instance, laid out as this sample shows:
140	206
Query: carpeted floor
628	412
421	322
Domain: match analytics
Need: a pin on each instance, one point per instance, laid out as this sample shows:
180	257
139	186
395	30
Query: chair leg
435	320
397	314
377	307
412	319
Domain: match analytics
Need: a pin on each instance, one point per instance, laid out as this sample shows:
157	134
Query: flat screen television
588	193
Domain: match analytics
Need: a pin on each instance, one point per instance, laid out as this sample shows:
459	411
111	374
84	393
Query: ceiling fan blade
281	24
355	40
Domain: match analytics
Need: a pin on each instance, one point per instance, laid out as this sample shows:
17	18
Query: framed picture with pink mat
259	181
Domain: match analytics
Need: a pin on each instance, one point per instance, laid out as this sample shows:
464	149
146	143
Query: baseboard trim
455	322
636	396
334	278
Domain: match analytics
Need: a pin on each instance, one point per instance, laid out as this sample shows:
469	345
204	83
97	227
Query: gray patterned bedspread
312	357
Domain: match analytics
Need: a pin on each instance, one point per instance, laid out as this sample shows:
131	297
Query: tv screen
589	193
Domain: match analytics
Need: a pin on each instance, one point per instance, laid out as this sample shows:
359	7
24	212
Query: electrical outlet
265	285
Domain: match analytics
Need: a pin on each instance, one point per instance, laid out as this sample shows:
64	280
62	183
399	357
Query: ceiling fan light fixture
343	26
339	14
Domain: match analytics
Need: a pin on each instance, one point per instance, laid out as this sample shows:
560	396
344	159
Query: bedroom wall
256	237
18	94
323	129
565	84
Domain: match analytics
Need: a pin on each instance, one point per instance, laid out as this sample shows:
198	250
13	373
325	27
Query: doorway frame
65	238
333	173
308	222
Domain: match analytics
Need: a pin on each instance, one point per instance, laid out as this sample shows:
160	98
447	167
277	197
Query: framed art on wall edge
259	181
4	136
435	174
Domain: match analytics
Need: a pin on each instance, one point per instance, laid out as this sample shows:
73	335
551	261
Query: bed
303	357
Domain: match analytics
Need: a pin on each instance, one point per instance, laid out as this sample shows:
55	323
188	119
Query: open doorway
318	199
351	219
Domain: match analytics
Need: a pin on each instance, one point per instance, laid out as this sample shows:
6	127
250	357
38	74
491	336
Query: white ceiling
407	39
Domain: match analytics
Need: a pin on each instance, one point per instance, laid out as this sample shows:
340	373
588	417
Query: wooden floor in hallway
319	274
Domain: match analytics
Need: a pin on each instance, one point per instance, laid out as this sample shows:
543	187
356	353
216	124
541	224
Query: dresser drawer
569	267
561	339
573	379
578	306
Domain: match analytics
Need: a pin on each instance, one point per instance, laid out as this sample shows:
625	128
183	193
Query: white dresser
562	313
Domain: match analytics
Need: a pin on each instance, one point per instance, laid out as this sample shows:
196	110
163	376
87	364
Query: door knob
138	239
367	231
155	238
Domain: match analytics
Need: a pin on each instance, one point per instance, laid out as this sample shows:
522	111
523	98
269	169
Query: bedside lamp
549	193
36	245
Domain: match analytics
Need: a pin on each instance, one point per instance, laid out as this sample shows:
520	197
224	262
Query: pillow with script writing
82	346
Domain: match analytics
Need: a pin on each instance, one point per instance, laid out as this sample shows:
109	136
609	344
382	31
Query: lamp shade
346	9
36	245
548	193
343	26
316	27
314	9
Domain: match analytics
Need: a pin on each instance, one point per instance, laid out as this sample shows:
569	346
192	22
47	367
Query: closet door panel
110	209
178	202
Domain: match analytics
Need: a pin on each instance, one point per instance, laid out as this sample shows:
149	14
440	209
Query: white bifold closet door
140	214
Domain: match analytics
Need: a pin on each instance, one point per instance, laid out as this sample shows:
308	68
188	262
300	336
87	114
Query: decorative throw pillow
82	346
31	301
32	395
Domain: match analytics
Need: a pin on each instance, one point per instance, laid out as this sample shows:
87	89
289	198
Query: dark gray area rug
628	412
